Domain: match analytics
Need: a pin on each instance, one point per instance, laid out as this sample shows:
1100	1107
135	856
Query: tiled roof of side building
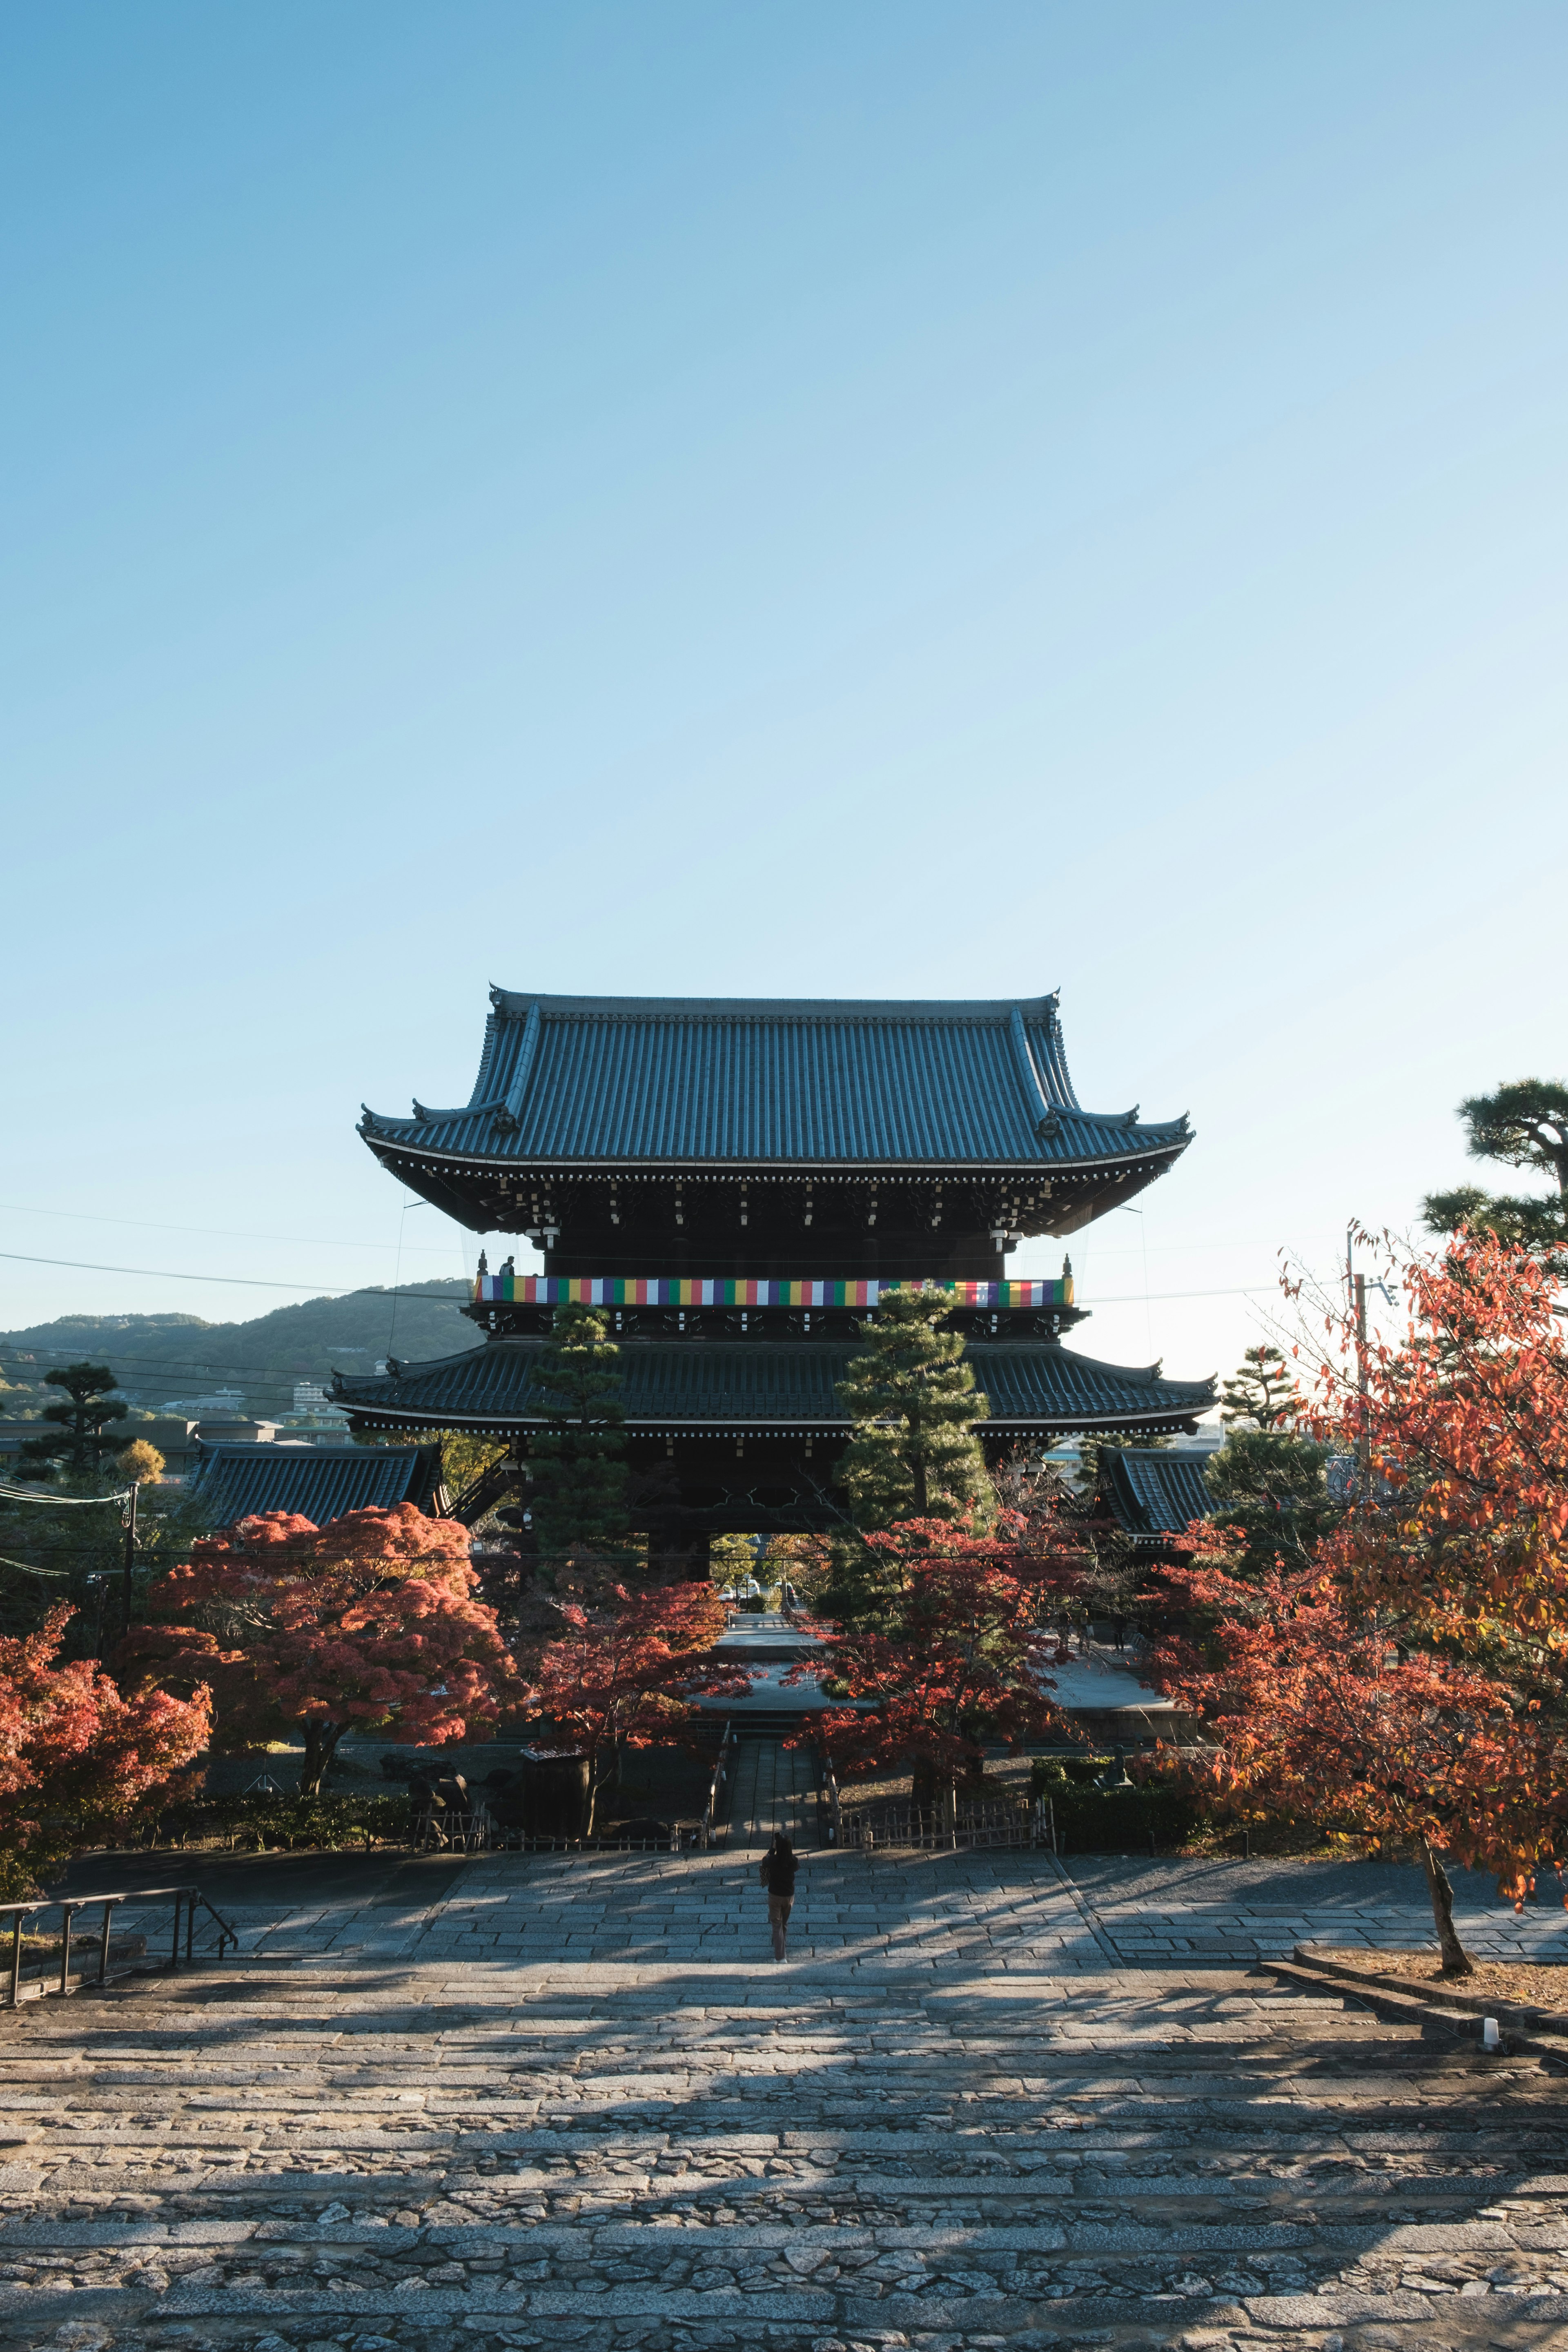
574	1081
1154	1494
319	1483
754	1384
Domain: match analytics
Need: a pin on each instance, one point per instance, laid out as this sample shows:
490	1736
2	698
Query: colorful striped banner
661	1290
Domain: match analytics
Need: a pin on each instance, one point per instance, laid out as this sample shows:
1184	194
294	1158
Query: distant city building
235	1429
310	1398
174	1438
223	1400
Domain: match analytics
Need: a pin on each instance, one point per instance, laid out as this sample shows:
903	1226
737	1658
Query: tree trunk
320	1741
1456	1961
593	1805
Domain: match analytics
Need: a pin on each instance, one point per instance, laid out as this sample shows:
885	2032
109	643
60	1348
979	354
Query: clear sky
896	500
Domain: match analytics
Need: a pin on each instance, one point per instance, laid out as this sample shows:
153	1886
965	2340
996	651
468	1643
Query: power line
1147	1298
244	1281
60	1502
216	1232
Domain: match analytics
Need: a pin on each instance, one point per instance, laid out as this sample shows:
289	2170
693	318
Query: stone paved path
772	1787
992	1910
572	2104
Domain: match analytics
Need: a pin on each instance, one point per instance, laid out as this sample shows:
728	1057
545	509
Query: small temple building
734	1182
1151	1495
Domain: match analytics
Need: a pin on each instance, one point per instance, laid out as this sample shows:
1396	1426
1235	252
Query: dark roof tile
319	1482
1151	1493
786	1385
570	1081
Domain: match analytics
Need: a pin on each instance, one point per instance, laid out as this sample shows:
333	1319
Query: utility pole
130	1552
1364	1430
1356	1285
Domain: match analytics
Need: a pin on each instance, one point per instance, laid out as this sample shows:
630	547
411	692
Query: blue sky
893	500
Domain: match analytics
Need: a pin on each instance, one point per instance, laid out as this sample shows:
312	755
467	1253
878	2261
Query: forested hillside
162	1359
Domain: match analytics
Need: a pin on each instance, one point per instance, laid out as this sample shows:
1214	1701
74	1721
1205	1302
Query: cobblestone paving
914	2135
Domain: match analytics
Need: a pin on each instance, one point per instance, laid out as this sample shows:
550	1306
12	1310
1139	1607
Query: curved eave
450	1162
1168	1418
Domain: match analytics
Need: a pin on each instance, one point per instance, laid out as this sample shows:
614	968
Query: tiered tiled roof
592	1082
759	1385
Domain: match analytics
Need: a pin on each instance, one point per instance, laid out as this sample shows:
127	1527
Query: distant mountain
161	1357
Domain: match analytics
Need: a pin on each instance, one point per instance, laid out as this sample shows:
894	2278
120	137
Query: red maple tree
627	1672
961	1662
76	1753
370	1623
1318	1714
1465	1528
1412	1683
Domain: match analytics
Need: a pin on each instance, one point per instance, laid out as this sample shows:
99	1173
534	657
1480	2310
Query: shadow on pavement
281	1881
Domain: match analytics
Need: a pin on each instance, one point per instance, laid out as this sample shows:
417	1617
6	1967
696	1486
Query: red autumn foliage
1466	1420
72	1746
368	1624
1413	1684
963	1662
627	1672
1319	1718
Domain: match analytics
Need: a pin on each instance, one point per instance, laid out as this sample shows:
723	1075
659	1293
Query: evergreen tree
1272	1488
1524	1125
77	1436
576	1462
732	1559
1263	1393
914	1404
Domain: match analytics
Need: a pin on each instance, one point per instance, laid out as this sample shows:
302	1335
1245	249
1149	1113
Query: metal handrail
67	1906
827	1794
710	1821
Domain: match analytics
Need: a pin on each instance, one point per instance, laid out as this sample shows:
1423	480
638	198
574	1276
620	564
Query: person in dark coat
777	1875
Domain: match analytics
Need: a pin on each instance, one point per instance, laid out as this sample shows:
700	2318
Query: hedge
1113	1821
286	1821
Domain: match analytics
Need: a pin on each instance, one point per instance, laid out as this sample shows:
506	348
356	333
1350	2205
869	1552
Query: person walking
777	1875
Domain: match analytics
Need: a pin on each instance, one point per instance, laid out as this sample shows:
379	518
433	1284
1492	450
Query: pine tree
576	1462
1263	1395
1524	1125
732	1559
80	1423
914	1403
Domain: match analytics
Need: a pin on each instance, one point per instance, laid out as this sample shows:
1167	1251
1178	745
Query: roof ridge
518	1003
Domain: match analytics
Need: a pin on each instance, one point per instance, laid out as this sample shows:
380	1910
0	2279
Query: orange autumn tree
628	1673
368	1624
1412	1683
1464	1535
1318	1714
959	1659
76	1754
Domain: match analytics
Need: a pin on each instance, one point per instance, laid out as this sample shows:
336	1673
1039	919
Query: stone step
379	2154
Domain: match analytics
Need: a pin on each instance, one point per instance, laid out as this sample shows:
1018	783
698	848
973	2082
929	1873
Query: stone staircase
771	1787
363	2152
